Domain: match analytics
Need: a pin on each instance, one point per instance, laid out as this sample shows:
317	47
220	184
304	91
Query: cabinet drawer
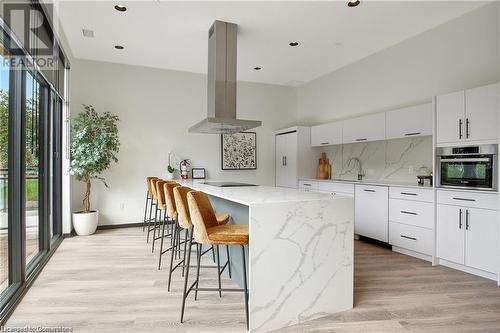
468	199
420	214
410	237
336	187
308	185
410	193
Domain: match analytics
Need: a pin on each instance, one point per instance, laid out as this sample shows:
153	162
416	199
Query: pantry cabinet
467	116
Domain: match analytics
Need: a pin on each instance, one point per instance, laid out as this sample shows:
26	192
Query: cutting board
324	169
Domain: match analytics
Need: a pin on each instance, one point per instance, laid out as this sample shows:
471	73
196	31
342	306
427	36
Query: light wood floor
109	283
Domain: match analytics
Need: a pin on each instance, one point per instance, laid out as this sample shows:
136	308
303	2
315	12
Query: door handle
411	134
409	213
467	225
460	219
467	123
285	160
369	190
460	128
408	237
324	143
364	139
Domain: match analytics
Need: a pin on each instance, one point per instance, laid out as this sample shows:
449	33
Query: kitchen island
300	252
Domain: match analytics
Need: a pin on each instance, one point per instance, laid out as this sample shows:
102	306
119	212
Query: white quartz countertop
368	182
249	195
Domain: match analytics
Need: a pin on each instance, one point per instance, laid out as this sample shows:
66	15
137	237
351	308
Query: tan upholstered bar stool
207	231
170	217
184	224
154	207
149	202
161	208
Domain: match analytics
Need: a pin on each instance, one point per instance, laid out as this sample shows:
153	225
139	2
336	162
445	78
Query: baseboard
470	270
411	253
119	226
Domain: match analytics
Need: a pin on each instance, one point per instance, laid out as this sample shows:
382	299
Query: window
4	170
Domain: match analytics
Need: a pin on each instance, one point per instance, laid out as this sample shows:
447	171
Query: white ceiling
173	35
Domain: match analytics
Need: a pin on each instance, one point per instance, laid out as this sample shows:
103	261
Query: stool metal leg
161	247
150	218
228	260
199	249
145	212
184	295
184	256
171	259
245	282
218	270
157	219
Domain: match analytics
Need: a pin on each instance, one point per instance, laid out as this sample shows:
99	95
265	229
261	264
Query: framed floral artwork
239	151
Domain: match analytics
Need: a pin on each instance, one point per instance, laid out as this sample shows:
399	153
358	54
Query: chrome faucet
358	162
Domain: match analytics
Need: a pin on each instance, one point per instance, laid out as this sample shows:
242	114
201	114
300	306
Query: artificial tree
94	146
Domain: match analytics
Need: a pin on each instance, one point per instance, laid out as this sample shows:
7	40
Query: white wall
156	107
456	55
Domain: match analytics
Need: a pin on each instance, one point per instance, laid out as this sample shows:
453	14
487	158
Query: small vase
170	175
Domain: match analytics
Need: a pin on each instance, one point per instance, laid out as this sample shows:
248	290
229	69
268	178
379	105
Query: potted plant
94	146
170	168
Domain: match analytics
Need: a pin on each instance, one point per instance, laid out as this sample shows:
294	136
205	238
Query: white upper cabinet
326	134
408	122
366	128
450	117
481	111
468	116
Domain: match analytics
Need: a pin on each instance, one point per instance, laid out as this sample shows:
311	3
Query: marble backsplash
389	160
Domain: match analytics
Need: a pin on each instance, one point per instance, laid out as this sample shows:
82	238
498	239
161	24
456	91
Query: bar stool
154	204
170	217
161	208
149	200
184	224
207	231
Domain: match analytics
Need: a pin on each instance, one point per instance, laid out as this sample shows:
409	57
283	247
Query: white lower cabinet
371	213
411	216
468	236
411	238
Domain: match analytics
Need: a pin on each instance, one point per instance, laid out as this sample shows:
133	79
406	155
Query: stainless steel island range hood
221	118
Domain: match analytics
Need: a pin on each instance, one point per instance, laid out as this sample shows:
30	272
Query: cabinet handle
408	237
324	143
409	213
460	219
362	139
369	190
307	184
464	199
467	225
467	123
285	160
408	193
460	129
411	134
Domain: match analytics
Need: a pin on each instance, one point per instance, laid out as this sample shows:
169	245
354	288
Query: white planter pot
85	223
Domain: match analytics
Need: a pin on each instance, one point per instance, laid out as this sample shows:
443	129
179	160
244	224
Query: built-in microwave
472	167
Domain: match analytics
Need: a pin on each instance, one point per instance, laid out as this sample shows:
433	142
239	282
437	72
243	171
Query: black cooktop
228	184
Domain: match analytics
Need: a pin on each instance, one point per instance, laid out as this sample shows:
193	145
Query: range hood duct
221	112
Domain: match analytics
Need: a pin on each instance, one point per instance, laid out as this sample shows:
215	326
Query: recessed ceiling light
257	68
121	8
353	3
119	47
293	43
